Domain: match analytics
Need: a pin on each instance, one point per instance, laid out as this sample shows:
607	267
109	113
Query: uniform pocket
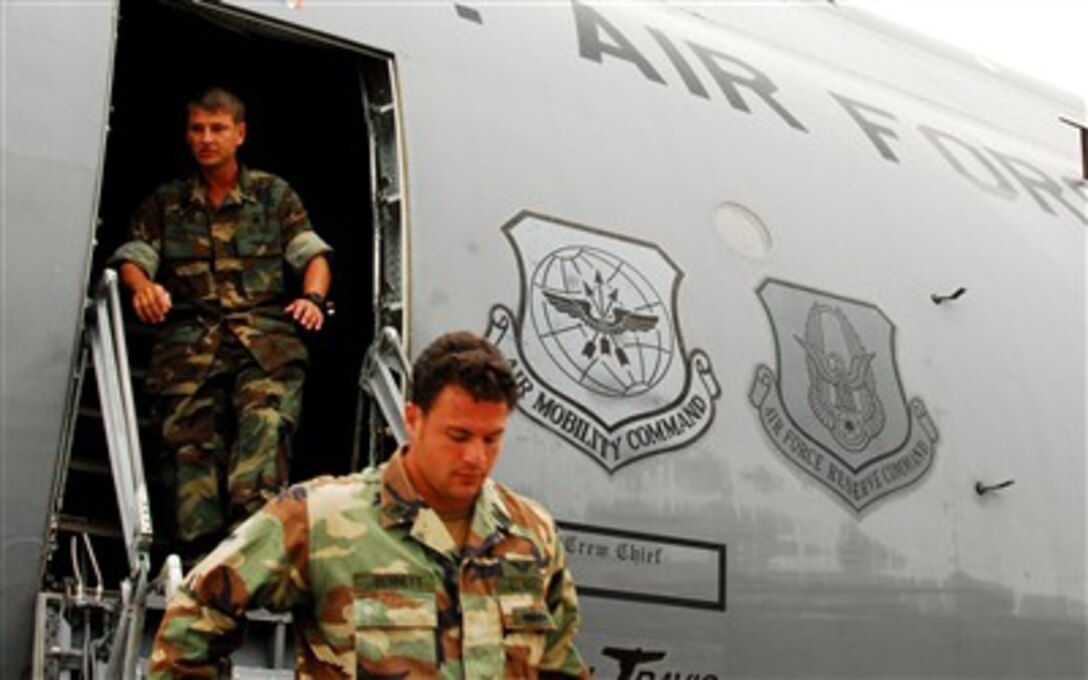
186	239
257	237
526	620
258	242
396	622
524	635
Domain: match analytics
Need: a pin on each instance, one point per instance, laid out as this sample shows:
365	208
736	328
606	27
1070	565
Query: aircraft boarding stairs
83	629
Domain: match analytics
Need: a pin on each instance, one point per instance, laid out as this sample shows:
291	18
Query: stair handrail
106	334
376	378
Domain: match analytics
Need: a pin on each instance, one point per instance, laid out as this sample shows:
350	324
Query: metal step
96	412
101	468
92	467
87	525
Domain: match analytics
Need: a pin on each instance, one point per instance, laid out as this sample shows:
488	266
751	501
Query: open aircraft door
93	122
55	107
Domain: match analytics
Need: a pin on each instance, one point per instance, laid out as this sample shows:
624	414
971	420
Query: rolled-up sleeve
301	242
139	253
303	248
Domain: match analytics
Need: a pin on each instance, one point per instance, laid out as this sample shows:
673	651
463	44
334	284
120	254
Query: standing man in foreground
423	567
206	261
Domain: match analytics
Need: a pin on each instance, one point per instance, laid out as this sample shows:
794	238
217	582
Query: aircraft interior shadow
306	123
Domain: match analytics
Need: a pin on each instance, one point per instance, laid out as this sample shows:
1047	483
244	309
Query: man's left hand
307	314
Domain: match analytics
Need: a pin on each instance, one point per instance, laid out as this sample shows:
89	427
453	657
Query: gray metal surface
55	88
866	170
797	143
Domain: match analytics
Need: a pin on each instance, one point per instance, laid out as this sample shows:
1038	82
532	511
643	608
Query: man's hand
306	313
151	303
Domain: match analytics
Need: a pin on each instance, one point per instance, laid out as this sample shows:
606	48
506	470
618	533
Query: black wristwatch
318	299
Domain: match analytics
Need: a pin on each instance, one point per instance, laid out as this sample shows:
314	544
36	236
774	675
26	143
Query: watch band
319	300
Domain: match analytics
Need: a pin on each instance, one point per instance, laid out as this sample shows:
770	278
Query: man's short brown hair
218	99
464	359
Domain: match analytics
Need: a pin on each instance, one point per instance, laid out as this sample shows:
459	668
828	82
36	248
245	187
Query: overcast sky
1047	39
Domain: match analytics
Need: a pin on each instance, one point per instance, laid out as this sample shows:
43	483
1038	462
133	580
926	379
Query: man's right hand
151	303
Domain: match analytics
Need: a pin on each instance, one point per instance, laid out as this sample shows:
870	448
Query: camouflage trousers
226	447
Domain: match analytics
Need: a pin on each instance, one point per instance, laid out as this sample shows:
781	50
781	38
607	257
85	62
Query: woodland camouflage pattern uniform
227	345
378	590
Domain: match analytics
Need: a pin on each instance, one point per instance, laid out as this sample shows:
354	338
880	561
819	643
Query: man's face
453	447
213	137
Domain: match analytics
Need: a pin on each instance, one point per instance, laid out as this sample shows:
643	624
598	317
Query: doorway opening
320	113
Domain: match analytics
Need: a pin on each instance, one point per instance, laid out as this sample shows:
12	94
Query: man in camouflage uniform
206	260
423	567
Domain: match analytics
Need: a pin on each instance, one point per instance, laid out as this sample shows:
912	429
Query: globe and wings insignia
602	321
608	320
597	342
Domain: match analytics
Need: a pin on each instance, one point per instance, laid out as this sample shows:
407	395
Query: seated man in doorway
422	567
206	260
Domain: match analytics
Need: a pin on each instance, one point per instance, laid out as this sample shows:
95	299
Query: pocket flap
395	601
518	616
255	238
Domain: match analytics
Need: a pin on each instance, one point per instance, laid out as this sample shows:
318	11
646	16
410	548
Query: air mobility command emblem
596	345
837	409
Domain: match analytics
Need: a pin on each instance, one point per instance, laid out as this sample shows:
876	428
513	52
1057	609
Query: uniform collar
400	503
197	195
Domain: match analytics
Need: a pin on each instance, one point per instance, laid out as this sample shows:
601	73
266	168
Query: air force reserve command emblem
596	345
836	408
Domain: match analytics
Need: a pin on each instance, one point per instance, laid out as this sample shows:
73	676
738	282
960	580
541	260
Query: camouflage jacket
224	269
377	589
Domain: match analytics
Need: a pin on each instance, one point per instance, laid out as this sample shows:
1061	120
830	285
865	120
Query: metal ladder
120	619
110	355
